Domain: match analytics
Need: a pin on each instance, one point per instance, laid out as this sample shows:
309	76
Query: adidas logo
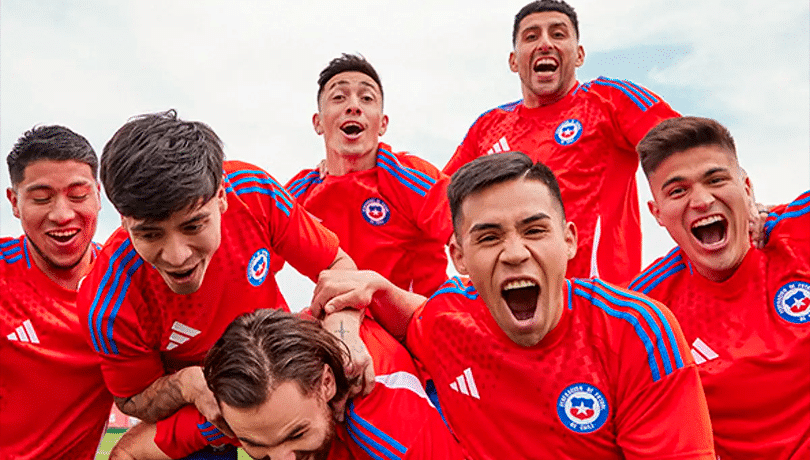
701	352
24	333
465	384
180	335
500	146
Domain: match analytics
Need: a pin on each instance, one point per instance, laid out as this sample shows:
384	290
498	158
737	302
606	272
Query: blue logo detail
258	267
792	302
582	408
375	211
568	132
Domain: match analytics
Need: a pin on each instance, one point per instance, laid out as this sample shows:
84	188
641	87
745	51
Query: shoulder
302	182
248	181
12	252
790	219
113	269
619	91
498	113
413	173
664	269
630	314
455	286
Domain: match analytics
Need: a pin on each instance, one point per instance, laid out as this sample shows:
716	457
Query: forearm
159	400
393	308
342	262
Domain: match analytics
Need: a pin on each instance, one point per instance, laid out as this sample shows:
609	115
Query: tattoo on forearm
159	400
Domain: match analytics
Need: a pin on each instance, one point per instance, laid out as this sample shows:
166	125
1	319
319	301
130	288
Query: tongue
522	302
710	234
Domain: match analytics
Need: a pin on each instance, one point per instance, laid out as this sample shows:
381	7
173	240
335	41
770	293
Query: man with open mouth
388	209
585	133
526	363
193	253
745	311
52	394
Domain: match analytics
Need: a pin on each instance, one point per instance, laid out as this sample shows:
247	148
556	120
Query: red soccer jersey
142	330
395	421
613	380
53	402
750	336
588	139
393	219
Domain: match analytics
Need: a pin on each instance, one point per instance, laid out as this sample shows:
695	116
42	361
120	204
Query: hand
340	289
196	391
757	216
321	168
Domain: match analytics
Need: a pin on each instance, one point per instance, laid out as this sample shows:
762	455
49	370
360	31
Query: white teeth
519	284
63	233
707	221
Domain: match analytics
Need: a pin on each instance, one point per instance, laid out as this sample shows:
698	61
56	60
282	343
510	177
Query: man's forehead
39	172
549	18
534	197
349	77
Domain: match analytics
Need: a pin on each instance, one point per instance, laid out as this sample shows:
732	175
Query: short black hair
347	63
540	6
157	164
679	134
489	170
52	142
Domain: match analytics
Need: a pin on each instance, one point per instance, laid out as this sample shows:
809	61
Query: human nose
61	212
701	198
176	251
514	251
281	454
543	42
353	106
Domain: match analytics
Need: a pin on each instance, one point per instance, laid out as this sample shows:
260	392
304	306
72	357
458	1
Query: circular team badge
582	408
568	132
375	211
258	267
792	302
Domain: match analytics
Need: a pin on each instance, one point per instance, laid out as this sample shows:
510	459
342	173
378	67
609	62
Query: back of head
347	63
157	164
263	349
55	143
680	134
486	171
540	6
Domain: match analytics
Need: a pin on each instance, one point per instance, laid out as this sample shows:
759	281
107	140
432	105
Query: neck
67	278
532	100
340	164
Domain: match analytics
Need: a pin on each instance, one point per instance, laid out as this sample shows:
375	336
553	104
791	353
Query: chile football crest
258	267
582	408
375	211
792	302
568	132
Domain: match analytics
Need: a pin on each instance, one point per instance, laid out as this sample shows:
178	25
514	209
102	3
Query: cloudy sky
249	69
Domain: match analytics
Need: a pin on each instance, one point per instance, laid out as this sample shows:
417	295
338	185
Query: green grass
113	436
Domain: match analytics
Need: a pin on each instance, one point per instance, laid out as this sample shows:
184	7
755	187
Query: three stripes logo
701	352
24	333
465	384
180	335
500	146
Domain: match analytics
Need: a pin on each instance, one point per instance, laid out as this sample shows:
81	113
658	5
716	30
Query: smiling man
388	209
746	311
192	254
276	377
528	364
586	133
52	396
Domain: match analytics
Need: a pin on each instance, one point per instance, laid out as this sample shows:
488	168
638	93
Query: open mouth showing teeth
521	298
351	129
710	230
63	236
545	66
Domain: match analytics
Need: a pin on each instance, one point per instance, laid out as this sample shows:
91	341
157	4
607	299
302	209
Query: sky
249	70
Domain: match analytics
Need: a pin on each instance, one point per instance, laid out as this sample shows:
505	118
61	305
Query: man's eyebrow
535	218
484	226
295	430
708	173
154	225
35	187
